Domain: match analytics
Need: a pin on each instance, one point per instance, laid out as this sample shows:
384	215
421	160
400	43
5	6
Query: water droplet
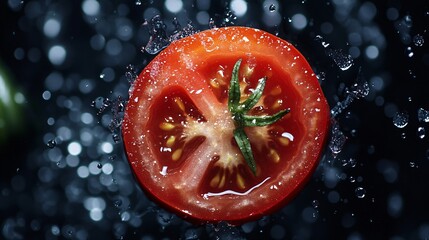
322	41
138	2
400	120
352	179
403	135
272	8
337	139
408	20
409	52
359	89
158	39
418	40
118	203
342	60
212	23
164	218
116	137
51	143
412	164
315	203
99	165
360	192
421	132
423	115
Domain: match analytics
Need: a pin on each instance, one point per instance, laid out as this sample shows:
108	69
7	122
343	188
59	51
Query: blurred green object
11	103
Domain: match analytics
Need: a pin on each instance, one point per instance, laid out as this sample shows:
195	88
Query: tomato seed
180	104
166	126
274	155
170	141
215	181
284	141
177	154
240	181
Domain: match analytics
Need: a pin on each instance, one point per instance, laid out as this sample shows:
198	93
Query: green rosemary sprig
238	111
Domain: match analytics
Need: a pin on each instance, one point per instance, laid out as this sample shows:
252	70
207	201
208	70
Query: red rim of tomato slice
178	131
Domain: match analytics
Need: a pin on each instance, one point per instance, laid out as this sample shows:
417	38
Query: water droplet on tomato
272	8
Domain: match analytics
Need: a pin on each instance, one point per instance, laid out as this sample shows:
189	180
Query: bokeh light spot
239	7
74	148
57	54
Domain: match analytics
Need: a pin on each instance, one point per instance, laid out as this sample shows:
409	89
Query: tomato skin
178	188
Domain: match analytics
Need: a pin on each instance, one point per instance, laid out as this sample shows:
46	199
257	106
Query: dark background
391	163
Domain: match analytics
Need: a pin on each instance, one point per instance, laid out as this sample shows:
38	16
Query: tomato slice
178	130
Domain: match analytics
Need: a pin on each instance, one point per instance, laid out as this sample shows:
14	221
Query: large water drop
400	119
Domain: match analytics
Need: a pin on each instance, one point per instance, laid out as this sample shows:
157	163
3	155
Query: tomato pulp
178	130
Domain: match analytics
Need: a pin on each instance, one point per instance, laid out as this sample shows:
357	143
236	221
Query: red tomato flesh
178	131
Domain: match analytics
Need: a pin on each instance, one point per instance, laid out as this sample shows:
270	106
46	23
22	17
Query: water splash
181	32
338	139
159	38
342	60
359	89
117	107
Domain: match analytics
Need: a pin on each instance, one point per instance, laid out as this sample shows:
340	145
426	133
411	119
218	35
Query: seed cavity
276	91
218	181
